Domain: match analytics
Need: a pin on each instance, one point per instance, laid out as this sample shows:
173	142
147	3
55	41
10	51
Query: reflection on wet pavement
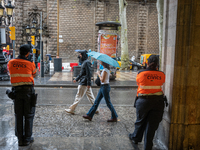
55	129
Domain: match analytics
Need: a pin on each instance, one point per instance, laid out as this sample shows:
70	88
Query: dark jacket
85	73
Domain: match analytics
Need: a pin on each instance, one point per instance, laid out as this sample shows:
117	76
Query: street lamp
34	23
1	10
39	30
9	10
34	27
28	30
33	30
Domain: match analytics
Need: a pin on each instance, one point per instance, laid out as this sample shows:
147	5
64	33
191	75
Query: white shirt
106	81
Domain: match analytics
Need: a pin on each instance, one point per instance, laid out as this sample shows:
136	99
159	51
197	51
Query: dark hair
24	49
153	62
105	65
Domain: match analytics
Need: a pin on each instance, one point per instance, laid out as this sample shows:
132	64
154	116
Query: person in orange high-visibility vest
22	71
149	103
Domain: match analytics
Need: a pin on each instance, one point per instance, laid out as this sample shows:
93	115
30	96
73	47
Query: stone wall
77	28
22	8
168	62
152	33
142	26
52	26
180	128
18	22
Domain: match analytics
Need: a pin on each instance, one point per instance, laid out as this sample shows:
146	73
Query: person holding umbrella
103	93
84	86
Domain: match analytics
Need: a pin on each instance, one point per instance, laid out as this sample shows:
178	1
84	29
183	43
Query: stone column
52	24
17	22
180	128
159	5
99	17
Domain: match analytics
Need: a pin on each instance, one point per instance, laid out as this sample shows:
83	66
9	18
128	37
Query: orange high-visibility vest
21	72
150	81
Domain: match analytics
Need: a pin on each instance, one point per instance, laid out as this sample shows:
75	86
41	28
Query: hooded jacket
85	73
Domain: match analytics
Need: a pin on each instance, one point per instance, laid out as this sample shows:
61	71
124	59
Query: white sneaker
69	111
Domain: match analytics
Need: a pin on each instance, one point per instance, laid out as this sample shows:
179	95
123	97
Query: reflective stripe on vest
150	87
20	75
22	83
34	71
21	72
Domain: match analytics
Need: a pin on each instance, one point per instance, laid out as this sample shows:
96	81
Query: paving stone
54	129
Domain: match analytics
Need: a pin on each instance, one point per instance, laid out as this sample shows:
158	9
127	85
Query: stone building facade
77	30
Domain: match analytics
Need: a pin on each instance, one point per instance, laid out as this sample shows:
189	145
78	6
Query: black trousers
149	111
24	112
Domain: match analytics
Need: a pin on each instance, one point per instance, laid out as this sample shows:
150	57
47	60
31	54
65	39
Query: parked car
135	66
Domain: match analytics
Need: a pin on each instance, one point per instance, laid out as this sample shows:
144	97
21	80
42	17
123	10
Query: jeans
149	114
24	114
103	92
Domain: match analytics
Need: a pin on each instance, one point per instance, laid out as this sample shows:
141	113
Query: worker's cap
25	48
153	58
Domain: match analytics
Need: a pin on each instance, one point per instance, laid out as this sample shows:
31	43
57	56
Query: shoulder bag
98	81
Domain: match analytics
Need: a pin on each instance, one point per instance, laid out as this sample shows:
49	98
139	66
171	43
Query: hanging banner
108	44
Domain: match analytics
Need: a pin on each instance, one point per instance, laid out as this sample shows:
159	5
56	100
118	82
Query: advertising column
108	43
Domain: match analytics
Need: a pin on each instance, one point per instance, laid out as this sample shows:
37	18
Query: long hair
153	62
105	65
153	66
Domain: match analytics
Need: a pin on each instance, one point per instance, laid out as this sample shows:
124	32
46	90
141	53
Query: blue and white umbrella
103	57
77	50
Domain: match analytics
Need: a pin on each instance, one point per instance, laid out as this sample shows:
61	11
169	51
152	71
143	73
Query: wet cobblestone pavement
67	125
54	129
124	78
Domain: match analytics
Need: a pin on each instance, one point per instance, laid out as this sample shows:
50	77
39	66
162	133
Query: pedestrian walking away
103	92
84	86
22	72
149	103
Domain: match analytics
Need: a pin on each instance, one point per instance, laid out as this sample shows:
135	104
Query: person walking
149	103
6	57
11	56
22	72
84	86
103	92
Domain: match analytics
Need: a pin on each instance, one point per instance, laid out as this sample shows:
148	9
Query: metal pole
13	48
41	50
33	51
58	28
